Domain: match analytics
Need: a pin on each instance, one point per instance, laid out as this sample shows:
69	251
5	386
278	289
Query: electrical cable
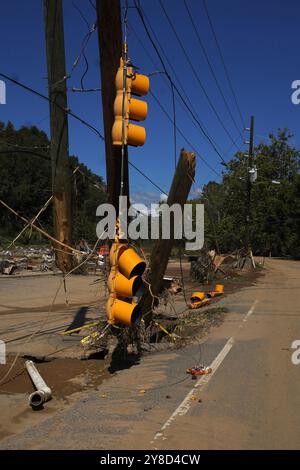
44	321
210	66
147	178
206	135
223	62
67	111
31	90
167	80
195	72
166	112
182	134
182	89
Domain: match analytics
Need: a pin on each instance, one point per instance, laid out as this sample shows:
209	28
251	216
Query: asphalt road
250	401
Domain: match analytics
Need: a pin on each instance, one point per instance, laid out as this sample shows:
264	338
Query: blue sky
259	42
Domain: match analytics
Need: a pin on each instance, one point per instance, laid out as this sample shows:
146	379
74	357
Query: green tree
25	185
275	208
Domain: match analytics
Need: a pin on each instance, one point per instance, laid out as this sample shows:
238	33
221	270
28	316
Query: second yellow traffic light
135	84
124	283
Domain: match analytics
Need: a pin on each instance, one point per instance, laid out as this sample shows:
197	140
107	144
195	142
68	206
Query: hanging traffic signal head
135	84
124	283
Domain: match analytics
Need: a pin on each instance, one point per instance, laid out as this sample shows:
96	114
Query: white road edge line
251	310
185	405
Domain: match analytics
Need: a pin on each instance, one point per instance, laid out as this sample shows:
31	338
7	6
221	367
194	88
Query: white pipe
43	392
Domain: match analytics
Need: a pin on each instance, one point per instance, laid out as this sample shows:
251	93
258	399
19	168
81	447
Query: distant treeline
275	201
25	185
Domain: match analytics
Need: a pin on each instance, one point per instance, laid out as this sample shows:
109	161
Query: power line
37	154
84	43
184	107
31	90
175	87
182	134
173	122
67	111
23	147
223	62
182	88
147	178
92	4
195	72
210	66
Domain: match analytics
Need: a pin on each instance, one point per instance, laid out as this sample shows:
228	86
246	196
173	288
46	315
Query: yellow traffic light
137	110
218	290
124	283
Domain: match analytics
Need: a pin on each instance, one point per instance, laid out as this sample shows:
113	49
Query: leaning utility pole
180	188
110	47
249	183
57	92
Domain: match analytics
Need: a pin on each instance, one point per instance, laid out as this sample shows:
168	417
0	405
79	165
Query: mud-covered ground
24	305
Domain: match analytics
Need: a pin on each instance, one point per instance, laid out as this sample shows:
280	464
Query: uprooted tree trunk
181	185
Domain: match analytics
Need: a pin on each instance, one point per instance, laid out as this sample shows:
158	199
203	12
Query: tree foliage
25	185
274	208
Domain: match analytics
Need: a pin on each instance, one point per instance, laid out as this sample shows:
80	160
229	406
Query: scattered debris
208	265
172	284
42	259
202	267
7	267
32	258
218	290
199	299
173	336
199	370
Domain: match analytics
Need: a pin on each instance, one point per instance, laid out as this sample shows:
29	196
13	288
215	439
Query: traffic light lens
136	315
138	269
137	284
130	263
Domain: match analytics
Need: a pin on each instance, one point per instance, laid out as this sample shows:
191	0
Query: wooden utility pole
249	185
57	90
181	185
110	47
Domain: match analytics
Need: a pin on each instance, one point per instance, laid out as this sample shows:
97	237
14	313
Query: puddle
63	376
67	378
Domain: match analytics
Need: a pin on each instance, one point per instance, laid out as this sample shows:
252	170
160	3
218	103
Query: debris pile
209	265
199	370
20	259
42	259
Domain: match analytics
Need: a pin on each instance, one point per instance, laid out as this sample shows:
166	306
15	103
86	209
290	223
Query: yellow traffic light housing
137	110
124	283
218	290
